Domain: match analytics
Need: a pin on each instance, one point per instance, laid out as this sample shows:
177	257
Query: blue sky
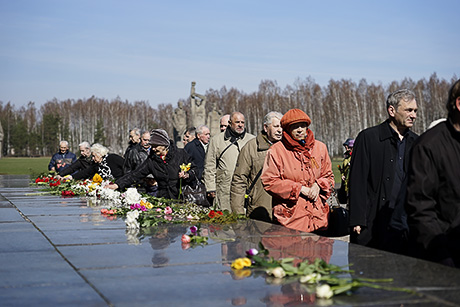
153	50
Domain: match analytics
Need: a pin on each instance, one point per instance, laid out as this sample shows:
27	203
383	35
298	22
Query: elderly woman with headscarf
108	166
298	174
163	164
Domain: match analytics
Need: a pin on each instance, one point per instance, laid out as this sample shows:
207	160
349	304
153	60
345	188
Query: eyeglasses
222	126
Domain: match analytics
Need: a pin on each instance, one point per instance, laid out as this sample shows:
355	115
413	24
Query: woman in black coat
108	166
163	163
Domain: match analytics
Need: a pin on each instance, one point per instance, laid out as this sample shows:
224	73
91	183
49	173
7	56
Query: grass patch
24	166
335	169
36	166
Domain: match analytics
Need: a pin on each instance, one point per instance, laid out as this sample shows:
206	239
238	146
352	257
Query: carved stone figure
213	121
198	107
180	123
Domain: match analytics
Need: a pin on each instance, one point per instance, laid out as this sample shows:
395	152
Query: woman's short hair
99	149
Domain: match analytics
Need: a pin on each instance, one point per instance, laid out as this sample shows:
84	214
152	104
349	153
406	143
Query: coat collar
386	132
262	142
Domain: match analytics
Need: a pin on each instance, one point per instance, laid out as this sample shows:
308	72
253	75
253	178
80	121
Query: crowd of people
402	190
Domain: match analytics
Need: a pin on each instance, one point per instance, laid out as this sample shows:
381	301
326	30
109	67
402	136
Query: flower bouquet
320	278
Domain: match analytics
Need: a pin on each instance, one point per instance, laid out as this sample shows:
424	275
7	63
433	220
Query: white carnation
132	196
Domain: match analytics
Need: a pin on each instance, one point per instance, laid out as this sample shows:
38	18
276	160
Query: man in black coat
82	162
138	153
378	180
196	149
433	191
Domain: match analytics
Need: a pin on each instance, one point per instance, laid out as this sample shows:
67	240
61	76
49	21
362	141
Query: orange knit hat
294	116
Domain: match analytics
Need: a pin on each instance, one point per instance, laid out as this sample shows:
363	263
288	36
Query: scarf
303	146
233	136
104	170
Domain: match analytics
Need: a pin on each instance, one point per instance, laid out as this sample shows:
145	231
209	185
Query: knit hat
349	142
294	116
159	137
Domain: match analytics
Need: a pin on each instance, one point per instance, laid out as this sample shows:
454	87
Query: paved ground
58	251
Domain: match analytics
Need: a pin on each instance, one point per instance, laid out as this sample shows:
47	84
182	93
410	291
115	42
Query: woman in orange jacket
298	174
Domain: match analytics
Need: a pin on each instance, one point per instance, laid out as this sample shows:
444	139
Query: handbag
338	222
196	194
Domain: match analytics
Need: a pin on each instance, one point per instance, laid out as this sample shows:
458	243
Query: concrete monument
179	123
213	121
198	107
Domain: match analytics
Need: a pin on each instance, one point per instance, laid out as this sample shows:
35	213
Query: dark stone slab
69	254
10	214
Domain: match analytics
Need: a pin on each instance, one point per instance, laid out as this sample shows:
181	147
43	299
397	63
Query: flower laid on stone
67	193
212	214
194	237
317	277
151	210
241	263
97	178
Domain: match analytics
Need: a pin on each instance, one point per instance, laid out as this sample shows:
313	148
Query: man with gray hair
377	186
62	158
196	149
82	162
247	194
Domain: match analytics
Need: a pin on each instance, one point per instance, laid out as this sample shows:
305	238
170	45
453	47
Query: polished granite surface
57	250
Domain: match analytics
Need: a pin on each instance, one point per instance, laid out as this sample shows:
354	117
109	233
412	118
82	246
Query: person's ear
391	111
265	128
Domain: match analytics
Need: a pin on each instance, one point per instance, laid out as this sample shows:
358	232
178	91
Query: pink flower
193	229
168	217
168	210
185	238
252	252
157	209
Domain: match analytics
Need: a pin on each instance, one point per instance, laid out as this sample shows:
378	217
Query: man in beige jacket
220	160
247	191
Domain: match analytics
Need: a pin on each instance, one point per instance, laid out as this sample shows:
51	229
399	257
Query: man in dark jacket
82	162
134	139
62	158
378	177
433	194
138	153
164	163
196	149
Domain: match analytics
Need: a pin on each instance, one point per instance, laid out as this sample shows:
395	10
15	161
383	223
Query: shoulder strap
248	190
228	146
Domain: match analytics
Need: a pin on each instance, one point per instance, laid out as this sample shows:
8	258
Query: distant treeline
338	111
